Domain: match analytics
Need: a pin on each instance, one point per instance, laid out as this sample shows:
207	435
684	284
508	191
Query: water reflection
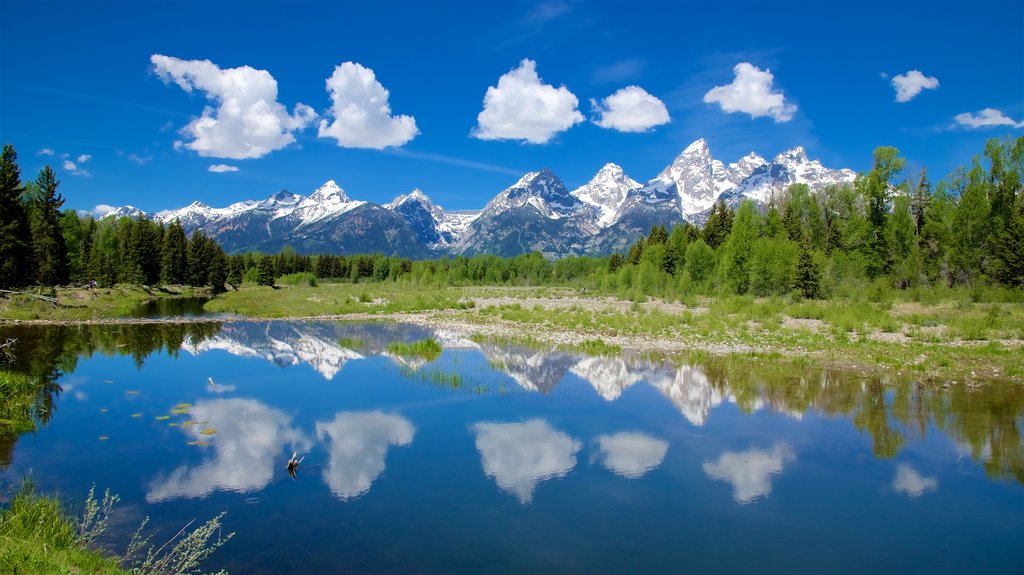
911	483
520	455
631	455
358	443
608	376
750	472
249	439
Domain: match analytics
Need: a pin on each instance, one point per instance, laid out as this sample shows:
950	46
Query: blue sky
103	86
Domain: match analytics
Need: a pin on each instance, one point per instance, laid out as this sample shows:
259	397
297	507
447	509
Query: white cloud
631	109
359	442
140	160
75	170
986	118
362	115
910	84
83	158
521	107
520	455
631	455
749	472
244	120
102	209
247	449
911	483
751	93
221	168
45	152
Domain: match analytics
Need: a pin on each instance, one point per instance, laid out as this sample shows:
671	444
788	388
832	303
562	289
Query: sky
158	104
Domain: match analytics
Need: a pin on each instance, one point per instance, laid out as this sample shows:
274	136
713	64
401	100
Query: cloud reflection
359	442
750	471
912	483
631	455
250	436
520	455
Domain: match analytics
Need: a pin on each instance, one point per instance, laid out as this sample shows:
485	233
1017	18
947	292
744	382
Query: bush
303	279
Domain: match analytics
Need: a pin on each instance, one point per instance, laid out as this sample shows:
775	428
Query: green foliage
47	239
427	349
700	261
807	277
16	261
266	271
306	279
773	264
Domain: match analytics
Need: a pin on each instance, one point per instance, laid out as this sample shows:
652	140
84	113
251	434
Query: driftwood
47	299
7	350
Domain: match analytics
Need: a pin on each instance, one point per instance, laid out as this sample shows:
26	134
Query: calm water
500	459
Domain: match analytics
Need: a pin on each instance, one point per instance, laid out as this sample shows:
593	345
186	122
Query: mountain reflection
520	455
249	439
631	455
749	472
358	444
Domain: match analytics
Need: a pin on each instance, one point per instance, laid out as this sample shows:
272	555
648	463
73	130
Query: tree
700	261
174	255
15	239
1010	252
807	279
718	225
970	226
876	188
47	238
736	250
904	257
265	273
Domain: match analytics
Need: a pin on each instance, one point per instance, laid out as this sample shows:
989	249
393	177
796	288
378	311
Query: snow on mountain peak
330	191
606	190
328	200
699	146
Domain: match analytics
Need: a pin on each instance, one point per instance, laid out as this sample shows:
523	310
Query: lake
489	457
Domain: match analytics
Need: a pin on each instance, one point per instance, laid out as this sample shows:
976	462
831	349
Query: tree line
41	245
886	230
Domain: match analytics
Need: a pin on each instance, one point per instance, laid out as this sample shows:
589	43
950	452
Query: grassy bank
78	304
39	536
938	337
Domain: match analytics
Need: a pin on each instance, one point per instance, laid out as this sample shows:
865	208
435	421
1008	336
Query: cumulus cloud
83	158
631	455
749	472
246	450
45	152
631	109
102	209
361	113
910	85
751	93
986	118
359	442
221	168
244	119
520	455
522	107
912	483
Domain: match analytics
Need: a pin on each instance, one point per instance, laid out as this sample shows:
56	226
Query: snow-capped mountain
125	212
606	191
432	225
537	212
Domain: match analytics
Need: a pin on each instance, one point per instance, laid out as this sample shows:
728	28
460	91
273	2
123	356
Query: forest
887	231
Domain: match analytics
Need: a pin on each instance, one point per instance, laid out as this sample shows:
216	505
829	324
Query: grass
427	349
19	403
77	304
40	535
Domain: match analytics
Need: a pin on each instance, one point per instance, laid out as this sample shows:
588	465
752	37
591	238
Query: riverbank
954	340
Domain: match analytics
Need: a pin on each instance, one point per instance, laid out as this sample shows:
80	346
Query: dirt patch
814	325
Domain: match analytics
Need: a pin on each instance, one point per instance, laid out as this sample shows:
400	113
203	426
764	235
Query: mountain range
538	212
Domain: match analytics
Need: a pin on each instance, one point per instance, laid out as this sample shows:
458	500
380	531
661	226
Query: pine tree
970	227
1010	252
919	201
807	280
718	225
265	273
47	238
876	188
173	255
16	255
615	261
235	270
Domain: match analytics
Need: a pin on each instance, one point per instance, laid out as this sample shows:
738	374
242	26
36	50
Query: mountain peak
606	190
699	146
330	190
797	154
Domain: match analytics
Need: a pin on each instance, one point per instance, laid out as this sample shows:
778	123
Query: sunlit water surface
503	459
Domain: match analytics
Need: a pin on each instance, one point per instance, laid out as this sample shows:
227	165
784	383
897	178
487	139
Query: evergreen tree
904	256
16	261
218	273
266	273
236	268
919	202
200	258
970	227
718	225
1010	252
636	251
935	237
174	255
737	248
807	279
48	239
615	261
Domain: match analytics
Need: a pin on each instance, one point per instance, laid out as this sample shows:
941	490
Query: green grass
427	349
38	535
19	403
77	304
